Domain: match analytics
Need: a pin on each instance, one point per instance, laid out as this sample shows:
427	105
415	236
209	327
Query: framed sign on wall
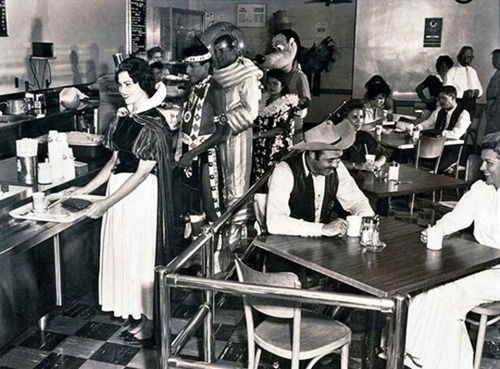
432	32
251	15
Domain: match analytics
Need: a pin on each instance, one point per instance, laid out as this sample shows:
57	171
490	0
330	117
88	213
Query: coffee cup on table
354	225
435	238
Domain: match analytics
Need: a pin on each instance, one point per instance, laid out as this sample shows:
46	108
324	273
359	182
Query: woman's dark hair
376	86
280	76
444	59
351	105
140	72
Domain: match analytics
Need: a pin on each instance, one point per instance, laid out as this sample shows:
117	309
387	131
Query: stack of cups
27	160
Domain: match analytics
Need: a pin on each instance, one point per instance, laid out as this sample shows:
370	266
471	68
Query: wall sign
251	15
3	19
138	25
432	32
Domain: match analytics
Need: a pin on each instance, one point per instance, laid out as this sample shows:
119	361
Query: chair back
267	305
472	168
430	148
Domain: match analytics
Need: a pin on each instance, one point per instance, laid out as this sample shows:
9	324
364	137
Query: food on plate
74	205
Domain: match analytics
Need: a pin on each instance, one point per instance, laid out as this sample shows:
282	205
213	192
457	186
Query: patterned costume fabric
192	116
267	151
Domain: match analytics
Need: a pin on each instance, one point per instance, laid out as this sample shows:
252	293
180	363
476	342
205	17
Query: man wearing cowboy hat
304	190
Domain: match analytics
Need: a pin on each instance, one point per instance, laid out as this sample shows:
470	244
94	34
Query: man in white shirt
436	335
304	190
451	121
464	78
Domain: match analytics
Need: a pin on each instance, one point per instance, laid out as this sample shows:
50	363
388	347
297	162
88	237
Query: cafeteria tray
55	213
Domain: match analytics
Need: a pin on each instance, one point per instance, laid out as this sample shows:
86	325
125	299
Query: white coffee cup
434	238
369	158
354	225
39	202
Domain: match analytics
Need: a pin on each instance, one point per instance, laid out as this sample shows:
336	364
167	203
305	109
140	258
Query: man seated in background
304	190
436	335
451	121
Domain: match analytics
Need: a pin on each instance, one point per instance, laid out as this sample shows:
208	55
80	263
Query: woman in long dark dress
137	209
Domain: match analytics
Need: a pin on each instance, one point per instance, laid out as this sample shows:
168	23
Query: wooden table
401	141
404	268
412	181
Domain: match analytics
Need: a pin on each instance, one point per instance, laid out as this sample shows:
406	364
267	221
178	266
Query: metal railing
168	277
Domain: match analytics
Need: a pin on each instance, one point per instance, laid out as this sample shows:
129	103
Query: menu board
138	25
251	15
3	19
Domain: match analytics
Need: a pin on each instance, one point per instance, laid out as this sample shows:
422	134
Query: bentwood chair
489	314
429	148
287	331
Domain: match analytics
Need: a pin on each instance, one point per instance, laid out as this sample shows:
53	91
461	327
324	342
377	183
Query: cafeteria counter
42	263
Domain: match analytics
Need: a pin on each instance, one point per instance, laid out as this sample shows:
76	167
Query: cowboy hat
327	136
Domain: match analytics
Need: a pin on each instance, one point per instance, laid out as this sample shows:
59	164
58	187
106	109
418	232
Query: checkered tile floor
79	335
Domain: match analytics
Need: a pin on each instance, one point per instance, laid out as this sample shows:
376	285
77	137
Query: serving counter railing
169	278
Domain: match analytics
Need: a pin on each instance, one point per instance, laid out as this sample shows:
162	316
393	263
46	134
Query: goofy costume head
286	45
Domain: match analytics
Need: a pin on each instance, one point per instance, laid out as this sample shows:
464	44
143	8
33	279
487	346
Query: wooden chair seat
490	308
318	336
489	314
288	331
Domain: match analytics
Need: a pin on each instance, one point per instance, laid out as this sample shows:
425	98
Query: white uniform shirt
463	79
481	205
460	127
281	184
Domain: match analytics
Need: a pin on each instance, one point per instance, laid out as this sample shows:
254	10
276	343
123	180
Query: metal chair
288	331
489	314
428	148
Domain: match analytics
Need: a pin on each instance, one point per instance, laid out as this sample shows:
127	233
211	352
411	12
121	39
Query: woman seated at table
433	84
364	143
378	98
436	335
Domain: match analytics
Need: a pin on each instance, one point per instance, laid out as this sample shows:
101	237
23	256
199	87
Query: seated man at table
364	143
451	121
436	335
305	189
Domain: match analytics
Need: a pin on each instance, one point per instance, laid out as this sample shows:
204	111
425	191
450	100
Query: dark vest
441	119
301	201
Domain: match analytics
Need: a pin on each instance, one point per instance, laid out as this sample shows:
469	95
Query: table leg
57	269
382	206
371	338
396	354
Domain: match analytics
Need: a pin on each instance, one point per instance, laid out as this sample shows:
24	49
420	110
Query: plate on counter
55	213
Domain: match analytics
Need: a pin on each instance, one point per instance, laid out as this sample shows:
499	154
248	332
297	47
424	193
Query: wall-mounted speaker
43	49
